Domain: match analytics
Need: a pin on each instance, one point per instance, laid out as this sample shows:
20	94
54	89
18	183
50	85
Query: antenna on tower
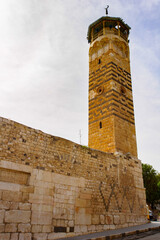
80	136
107	9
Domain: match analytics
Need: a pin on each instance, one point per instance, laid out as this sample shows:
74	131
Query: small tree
152	184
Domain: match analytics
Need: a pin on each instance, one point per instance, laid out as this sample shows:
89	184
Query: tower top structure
115	25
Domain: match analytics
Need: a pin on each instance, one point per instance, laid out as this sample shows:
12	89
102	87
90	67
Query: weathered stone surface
40	199
27	189
83	229
81	217
4	205
24	228
52	236
14	236
46	228
24	206
102	219
9	186
17	216
95	219
0	194
41	218
42	207
13	176
25	236
36	228
91	228
2	226
85	185
109	219
14	205
5	236
116	219
40	236
11	227
25	197
11	196
2	212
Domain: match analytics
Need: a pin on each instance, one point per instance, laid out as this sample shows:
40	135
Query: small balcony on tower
108	25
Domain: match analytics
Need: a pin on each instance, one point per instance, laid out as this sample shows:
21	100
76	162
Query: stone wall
51	187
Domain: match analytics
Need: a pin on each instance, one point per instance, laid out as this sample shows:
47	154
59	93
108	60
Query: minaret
111	112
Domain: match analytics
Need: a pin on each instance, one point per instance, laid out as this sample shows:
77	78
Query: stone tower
111	112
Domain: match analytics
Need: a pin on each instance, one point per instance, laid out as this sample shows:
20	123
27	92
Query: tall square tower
111	111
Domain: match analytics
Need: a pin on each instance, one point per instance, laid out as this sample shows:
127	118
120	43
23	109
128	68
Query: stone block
36	228
24	206
41	218
24	228
95	219
106	227
47	228
71	181
11	227
15	166
40	199
109	219
13	177
122	219
43	184
27	189
81	217
2	212
116	219
44	191
14	205
102	219
11	196
5	236
99	228
82	203
42	207
77	229
71	223
25	197
9	186
2	228
14	236
91	228
40	236
44	176
17	216
52	236
25	236
4	205
83	229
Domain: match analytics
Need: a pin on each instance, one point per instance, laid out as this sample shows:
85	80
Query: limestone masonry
111	113
52	188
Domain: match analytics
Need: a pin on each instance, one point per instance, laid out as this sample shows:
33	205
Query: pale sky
44	66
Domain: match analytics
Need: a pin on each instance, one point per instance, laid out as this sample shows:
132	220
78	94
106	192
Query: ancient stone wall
51	187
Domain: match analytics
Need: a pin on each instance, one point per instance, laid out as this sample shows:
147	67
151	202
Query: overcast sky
44	66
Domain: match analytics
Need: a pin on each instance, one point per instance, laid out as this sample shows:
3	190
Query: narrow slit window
99	61
100	125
